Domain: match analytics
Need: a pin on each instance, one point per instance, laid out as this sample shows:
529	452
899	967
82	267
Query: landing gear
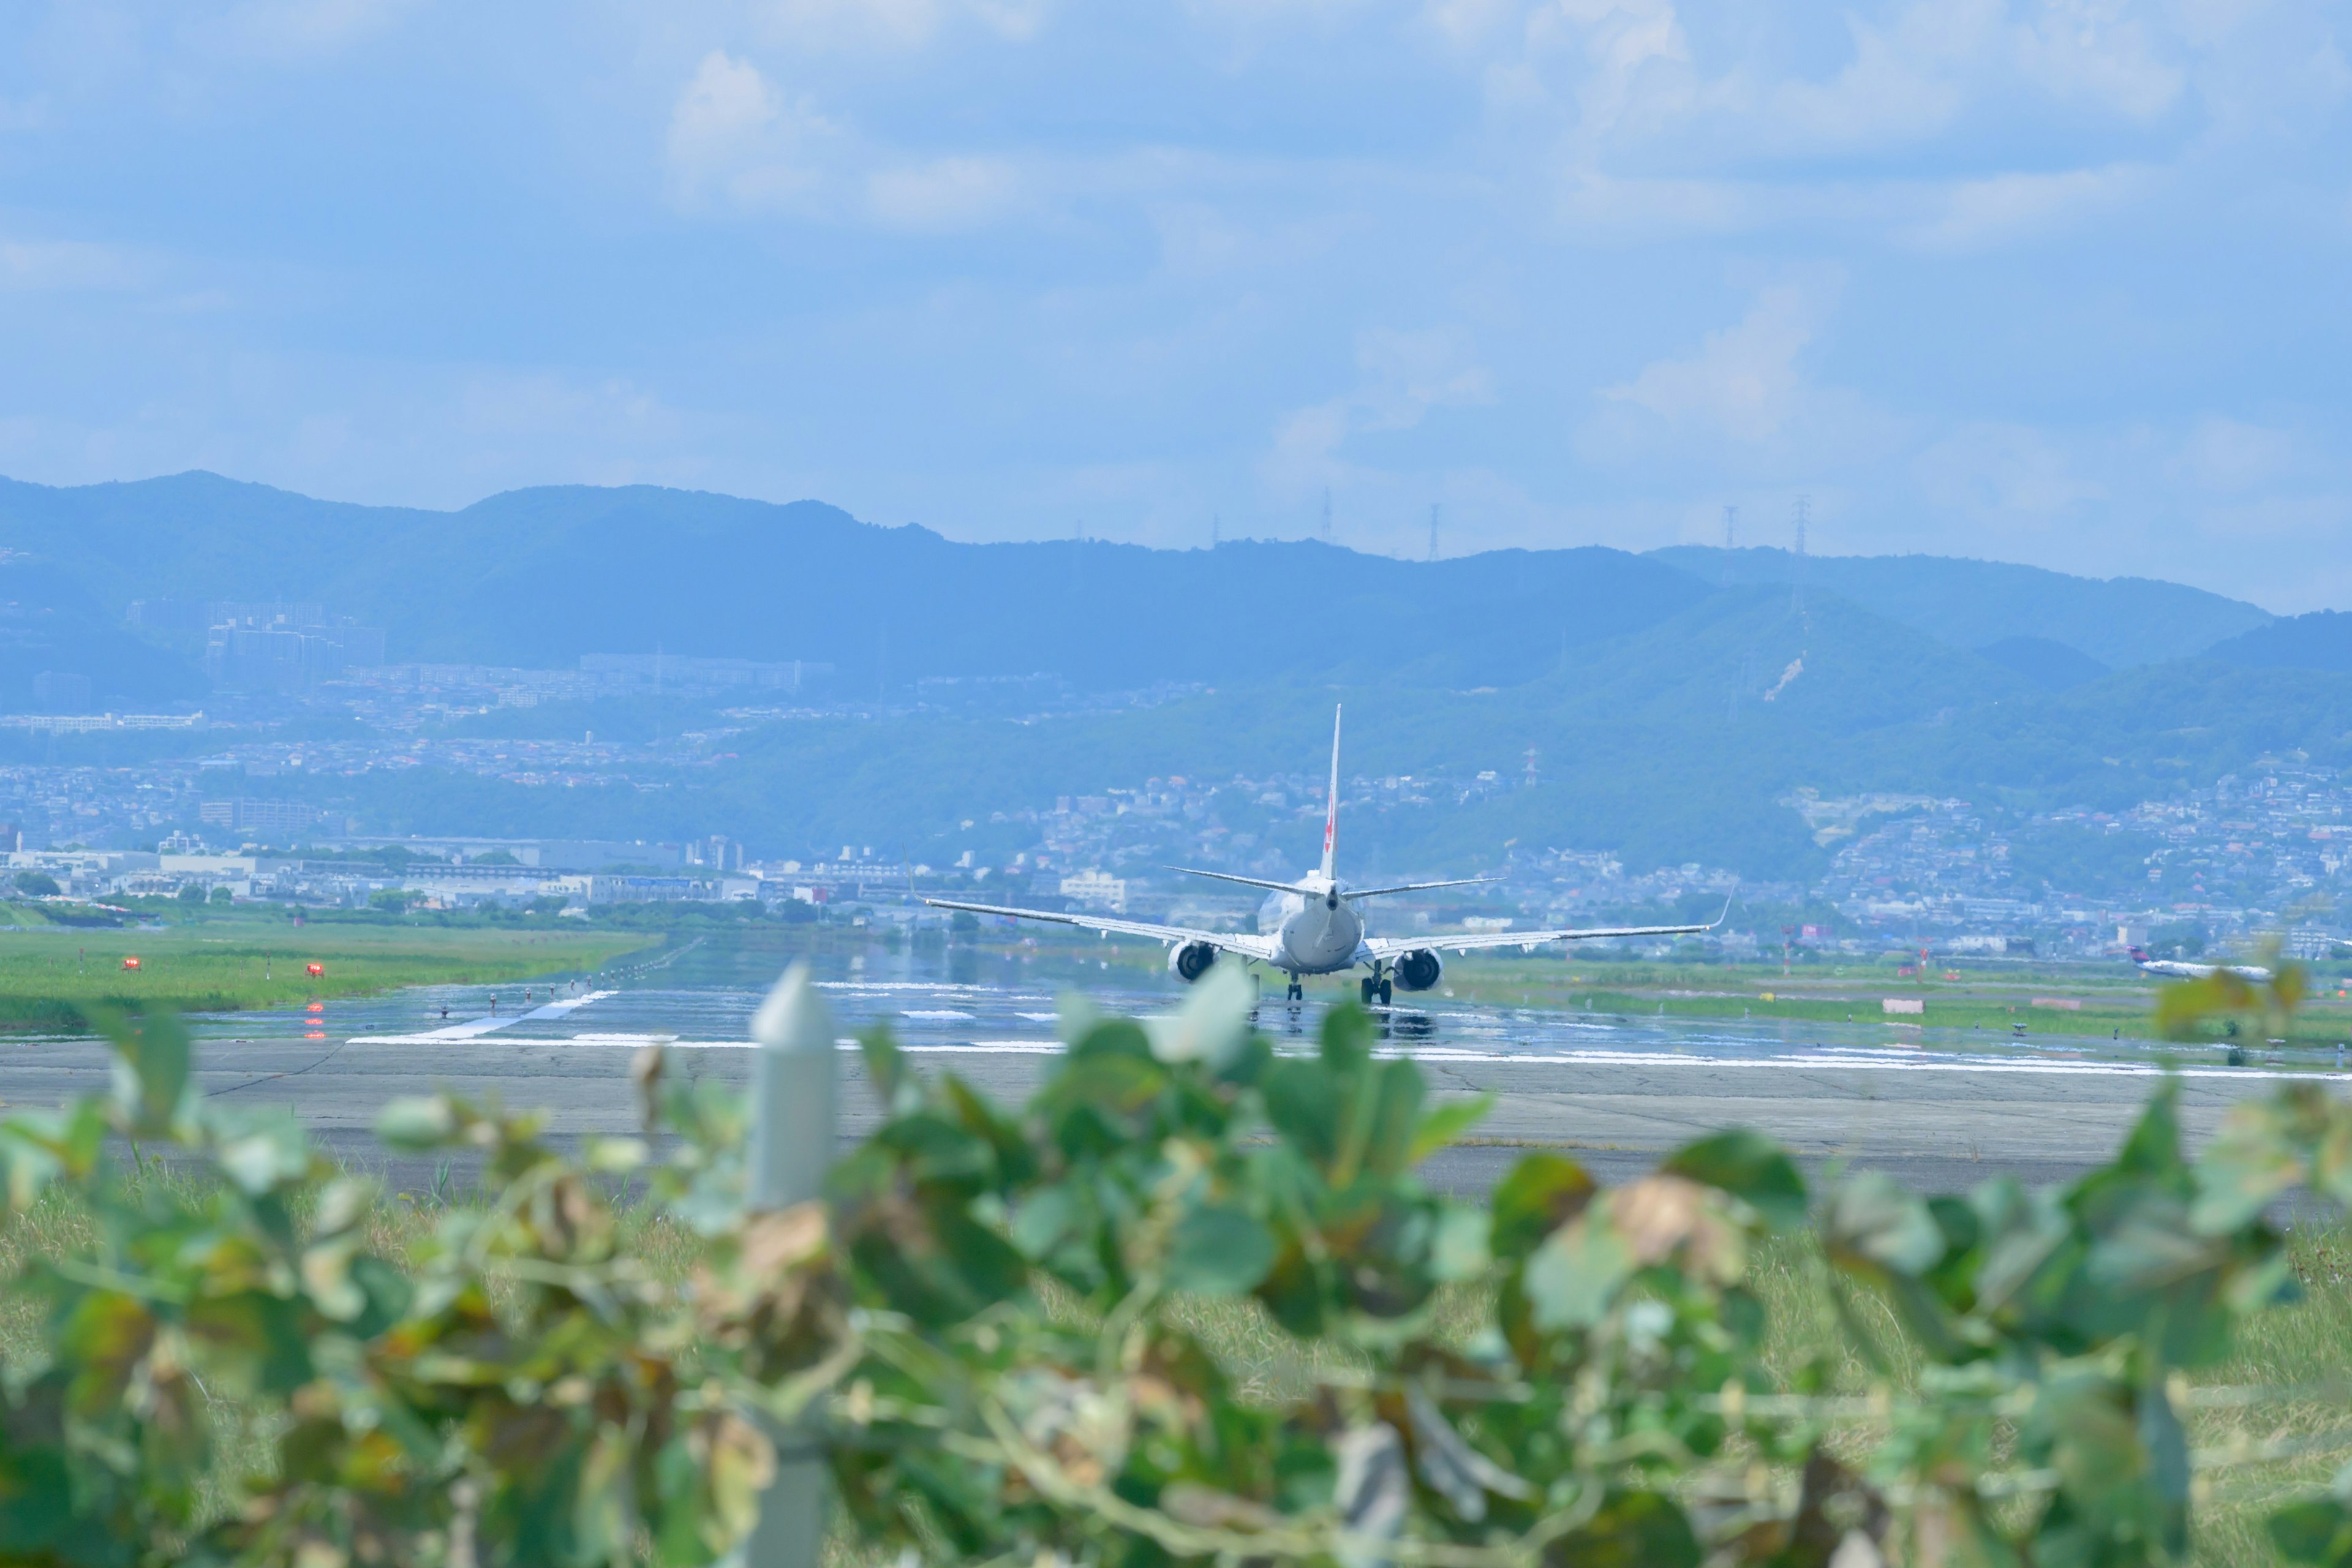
1297	993
1375	985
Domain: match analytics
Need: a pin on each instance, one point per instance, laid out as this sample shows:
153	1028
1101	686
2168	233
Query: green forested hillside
1969	604
1668	714
1660	746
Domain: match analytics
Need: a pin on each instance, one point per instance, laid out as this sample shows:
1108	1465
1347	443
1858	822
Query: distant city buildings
265	645
1096	890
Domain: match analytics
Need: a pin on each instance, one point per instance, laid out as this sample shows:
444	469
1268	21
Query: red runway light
318	1006
130	963
315	969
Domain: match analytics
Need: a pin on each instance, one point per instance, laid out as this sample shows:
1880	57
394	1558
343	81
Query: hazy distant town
303	699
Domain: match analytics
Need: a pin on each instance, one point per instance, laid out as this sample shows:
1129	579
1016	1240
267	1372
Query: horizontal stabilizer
1413	887
1230	876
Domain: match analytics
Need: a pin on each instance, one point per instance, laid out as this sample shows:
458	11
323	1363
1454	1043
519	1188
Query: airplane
1318	929
2174	969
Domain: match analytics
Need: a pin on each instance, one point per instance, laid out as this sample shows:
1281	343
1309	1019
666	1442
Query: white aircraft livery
1319	930
2174	969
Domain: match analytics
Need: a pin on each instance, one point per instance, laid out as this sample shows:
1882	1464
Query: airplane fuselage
2172	969
1318	933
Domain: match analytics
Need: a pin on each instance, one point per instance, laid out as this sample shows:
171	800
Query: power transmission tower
1326	514
1432	530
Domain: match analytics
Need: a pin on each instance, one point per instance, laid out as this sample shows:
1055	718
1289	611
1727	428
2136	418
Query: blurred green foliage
991	1321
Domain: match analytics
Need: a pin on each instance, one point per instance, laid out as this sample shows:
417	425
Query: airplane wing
1413	887
1229	877
1242	942
1385	947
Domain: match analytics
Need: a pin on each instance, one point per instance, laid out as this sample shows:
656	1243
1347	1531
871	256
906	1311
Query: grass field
2094	1001
2299	1346
2081	1000
48	975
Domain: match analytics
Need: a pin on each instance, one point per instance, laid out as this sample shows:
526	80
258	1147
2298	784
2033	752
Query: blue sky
2061	283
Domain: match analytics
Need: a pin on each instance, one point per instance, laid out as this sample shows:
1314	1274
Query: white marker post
793	1133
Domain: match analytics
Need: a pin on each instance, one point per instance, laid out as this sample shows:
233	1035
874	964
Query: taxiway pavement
1934	1123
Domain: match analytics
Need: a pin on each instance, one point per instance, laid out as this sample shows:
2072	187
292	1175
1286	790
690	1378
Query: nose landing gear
1296	992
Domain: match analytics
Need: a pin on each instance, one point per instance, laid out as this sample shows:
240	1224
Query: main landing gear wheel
1297	993
1385	992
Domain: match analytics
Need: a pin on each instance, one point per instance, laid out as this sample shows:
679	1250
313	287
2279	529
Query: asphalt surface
1616	1095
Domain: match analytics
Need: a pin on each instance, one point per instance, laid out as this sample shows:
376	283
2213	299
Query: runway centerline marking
1800	1065
489	1023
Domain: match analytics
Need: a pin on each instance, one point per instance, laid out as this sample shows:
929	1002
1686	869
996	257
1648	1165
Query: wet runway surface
1938	1108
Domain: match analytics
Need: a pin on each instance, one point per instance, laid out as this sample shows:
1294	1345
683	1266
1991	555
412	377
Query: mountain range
1673	699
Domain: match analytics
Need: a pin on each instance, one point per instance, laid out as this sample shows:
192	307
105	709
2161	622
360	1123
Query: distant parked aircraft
1319	931
2174	969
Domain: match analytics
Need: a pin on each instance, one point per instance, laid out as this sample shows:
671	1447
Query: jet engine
1418	970
1191	960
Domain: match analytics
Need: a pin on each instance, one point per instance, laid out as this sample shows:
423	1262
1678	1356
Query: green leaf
1388	1140
1460	1250
152	1068
2166	1447
27	1164
1044	1219
2153	1149
886	1068
1752	1168
1213	1024
2184	1007
1575	1274
1302	1102
1347	1040
2253	1160
2316	1531
1633	1530
269	1153
417	1122
1445	1121
1873	1227
1218	1250
1112	1038
1542	1193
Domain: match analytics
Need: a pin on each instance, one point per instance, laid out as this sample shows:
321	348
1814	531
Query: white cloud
2228	455
1745	382
1402	376
2005	477
897	24
944	193
295	32
736	140
733	137
2097	53
1979	214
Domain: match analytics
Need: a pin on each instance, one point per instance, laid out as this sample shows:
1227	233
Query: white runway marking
474	1028
1851	1058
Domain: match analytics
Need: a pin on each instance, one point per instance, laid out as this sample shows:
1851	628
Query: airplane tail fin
1331	802
2138	954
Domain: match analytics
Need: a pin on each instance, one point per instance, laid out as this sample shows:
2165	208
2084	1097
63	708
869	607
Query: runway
1940	1112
